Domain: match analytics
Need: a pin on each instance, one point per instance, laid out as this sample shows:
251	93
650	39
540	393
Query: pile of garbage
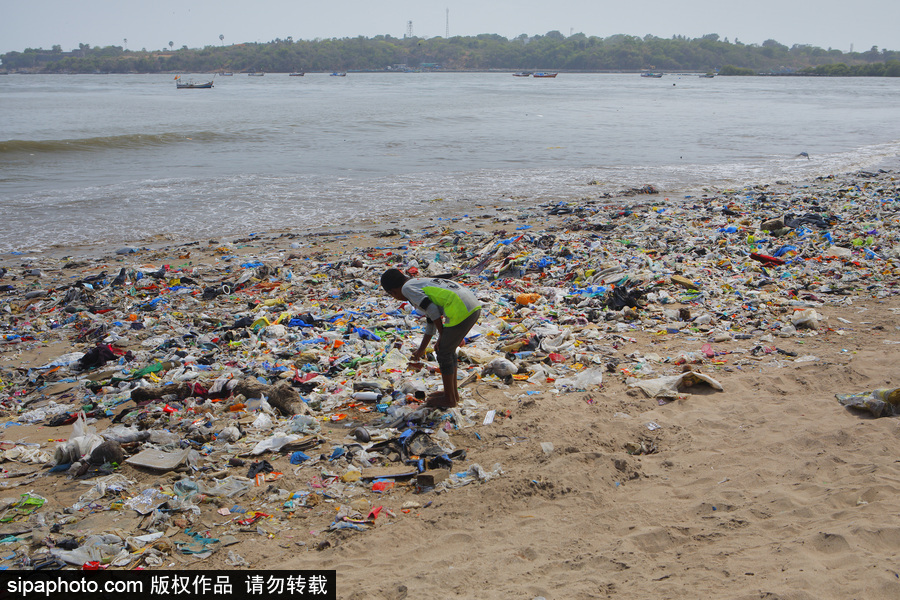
266	360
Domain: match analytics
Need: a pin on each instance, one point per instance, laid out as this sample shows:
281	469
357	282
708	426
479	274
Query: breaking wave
133	141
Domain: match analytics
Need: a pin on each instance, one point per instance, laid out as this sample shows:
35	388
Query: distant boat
542	74
339	74
707	75
191	85
297	74
651	74
255	74
522	74
226	74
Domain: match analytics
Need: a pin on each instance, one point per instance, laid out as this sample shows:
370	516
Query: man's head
392	281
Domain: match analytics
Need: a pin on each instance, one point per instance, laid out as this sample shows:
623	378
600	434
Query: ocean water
107	159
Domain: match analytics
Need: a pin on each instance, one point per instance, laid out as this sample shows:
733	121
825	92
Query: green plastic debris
24	507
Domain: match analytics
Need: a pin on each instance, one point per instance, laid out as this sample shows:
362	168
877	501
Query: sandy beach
577	480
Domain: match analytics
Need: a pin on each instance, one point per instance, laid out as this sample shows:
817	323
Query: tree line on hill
551	51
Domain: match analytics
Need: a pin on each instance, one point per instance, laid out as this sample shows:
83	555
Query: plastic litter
670	387
881	402
158	460
204	365
147	501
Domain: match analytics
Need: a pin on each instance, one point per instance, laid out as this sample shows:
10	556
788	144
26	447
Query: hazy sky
197	23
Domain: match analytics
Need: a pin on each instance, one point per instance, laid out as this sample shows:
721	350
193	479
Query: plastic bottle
367	396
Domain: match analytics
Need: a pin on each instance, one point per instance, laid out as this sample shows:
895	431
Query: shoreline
587	484
428	215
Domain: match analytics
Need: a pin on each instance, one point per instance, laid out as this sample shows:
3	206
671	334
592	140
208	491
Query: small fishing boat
339	74
522	74
542	74
297	74
191	85
254	74
226	74
651	74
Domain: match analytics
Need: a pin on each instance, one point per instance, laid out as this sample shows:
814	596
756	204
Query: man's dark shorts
451	337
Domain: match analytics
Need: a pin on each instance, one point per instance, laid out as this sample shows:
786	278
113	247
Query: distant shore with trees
486	52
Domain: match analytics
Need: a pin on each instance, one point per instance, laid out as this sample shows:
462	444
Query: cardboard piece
158	460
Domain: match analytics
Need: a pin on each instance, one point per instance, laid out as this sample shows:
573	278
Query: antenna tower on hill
447	31
409	32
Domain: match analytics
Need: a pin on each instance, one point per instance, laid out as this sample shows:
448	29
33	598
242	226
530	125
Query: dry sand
768	489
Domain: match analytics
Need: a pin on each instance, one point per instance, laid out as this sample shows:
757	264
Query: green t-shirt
441	298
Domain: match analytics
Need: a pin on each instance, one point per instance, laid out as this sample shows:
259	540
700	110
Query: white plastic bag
584	380
558	343
394	360
124	434
274	443
82	442
263	421
476	355
501	367
808	318
229	434
303	424
229	487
